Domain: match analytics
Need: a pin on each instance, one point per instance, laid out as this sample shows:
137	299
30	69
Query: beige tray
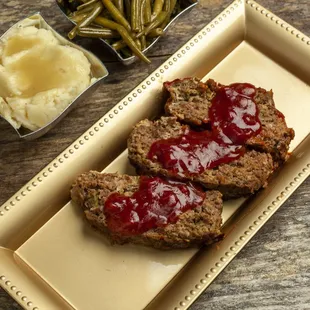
50	258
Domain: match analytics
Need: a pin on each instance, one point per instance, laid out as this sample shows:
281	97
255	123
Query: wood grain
273	270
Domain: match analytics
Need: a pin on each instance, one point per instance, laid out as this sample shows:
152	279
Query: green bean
124	34
171	8
157	8
85	5
147	12
120	6
142	6
167	5
87	20
85	10
97	33
138	43
124	24
143	38
154	24
119	45
155	33
78	18
116	14
134	12
143	43
139	16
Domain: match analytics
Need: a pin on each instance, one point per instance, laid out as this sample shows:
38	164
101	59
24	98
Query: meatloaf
197	226
240	177
190	100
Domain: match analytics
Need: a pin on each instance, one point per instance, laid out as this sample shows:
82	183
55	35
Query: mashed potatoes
39	77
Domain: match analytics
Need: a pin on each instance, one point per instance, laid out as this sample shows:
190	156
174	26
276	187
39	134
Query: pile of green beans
129	26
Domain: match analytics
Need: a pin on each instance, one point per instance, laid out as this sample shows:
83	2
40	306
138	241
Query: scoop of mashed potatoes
39	77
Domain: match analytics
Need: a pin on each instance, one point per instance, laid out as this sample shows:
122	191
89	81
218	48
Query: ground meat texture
238	178
275	136
195	227
189	99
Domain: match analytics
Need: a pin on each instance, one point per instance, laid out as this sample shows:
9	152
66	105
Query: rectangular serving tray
51	259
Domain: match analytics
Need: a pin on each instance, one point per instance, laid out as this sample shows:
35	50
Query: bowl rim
91	57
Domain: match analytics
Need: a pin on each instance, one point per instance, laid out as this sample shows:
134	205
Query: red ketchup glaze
234	119
156	203
194	152
234	112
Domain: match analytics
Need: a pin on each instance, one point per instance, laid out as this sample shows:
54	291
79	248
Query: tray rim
238	6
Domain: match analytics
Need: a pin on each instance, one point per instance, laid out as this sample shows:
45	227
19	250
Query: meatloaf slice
275	136
189	98
240	177
194	227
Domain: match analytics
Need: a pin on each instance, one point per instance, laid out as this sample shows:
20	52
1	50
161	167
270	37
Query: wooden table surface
273	270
